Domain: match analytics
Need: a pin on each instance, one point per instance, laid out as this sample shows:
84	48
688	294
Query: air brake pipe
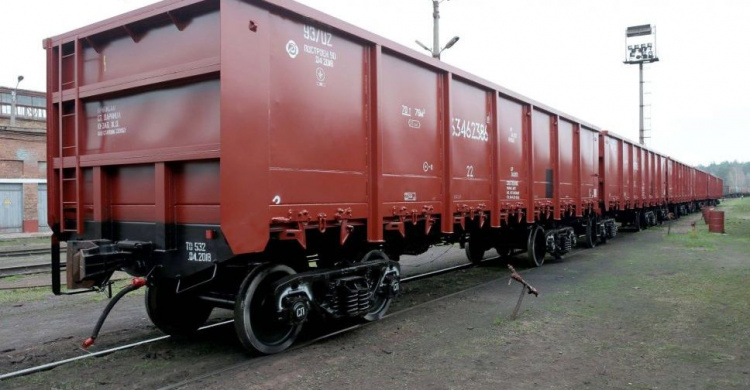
134	285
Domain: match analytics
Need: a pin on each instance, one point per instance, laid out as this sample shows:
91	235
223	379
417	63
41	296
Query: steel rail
24	252
26	269
259	360
51	365
48	366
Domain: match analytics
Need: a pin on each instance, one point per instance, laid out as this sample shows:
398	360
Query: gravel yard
644	311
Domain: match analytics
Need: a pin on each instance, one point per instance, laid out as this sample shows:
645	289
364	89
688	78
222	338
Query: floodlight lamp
423	46
451	42
20	78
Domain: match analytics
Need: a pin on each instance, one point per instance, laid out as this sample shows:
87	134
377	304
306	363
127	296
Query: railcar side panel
638	190
412	136
318	133
589	160
662	181
566	177
670	180
513	193
701	185
471	147
611	167
627	173
646	177
543	175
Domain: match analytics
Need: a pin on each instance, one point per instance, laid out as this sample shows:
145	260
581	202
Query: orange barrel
705	210
716	221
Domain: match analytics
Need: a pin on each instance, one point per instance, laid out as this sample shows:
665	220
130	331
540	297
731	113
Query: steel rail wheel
536	246
255	317
175	314
474	249
379	303
590	233
637	221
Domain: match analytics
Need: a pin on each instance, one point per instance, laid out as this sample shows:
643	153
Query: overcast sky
566	54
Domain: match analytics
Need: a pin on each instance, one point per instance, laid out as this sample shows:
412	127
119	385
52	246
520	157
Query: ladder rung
69	179
67	115
69	147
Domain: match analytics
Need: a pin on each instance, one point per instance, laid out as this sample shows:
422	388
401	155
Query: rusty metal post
525	288
518	304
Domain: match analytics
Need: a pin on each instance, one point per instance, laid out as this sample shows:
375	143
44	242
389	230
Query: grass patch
23	295
11	278
701	240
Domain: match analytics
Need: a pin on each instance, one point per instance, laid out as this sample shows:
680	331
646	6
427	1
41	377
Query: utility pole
436	50
435	29
13	98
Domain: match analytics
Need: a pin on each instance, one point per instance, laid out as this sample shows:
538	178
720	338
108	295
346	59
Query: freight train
266	158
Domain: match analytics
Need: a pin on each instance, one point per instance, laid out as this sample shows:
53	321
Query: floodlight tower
640	42
436	50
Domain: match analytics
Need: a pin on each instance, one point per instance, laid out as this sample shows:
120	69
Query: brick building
23	166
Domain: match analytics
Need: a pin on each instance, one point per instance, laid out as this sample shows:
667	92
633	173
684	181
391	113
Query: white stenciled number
196	251
312	34
469	129
469	171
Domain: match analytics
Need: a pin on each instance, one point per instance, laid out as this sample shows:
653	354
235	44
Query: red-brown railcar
266	158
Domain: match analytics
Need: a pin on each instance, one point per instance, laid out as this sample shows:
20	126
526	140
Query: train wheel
637	221
475	250
255	312
603	238
590	240
175	314
379	303
536	247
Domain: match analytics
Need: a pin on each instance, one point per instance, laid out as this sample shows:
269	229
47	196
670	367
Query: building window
23	100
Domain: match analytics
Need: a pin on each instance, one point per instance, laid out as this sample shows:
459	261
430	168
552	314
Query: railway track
25	252
26	269
259	360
